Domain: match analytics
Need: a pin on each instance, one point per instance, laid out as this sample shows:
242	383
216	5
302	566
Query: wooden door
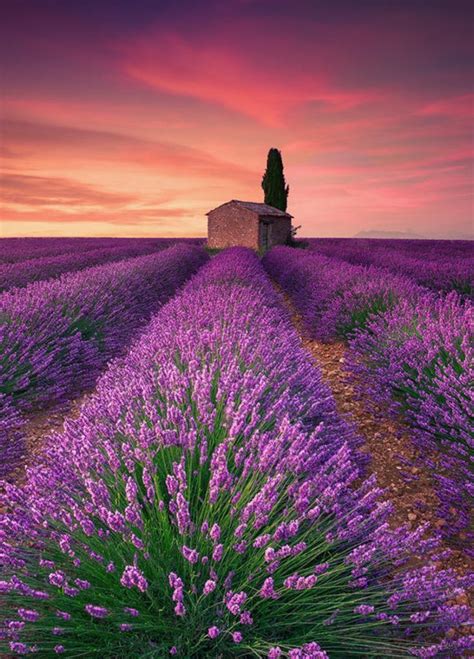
264	235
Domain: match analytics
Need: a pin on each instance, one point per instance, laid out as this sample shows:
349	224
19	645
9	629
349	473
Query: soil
42	423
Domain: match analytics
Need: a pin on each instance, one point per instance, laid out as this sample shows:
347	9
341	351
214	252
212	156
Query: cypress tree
273	181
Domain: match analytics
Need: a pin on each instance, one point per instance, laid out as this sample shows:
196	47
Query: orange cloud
30	200
25	139
50	191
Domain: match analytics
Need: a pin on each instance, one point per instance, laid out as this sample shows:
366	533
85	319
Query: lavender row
430	249
439	270
418	360
334	297
20	274
410	351
56	336
15	250
208	502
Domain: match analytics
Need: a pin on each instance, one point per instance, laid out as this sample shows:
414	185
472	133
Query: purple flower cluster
218	403
335	298
56	336
19	250
418	360
410	351
17	275
443	265
133	577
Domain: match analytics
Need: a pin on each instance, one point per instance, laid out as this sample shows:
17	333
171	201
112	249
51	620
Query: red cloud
225	71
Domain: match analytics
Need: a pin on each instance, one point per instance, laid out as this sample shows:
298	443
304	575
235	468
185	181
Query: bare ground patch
38	425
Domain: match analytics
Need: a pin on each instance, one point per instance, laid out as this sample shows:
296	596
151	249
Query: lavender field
273	458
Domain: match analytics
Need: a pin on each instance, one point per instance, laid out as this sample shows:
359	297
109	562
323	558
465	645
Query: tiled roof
259	209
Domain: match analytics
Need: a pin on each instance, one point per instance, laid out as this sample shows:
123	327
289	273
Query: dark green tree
273	181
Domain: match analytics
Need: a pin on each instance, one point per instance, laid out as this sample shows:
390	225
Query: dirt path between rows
40	424
393	456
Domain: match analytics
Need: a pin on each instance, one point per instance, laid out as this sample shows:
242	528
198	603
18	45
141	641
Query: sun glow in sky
136	118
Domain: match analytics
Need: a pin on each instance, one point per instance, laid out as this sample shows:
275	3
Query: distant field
439	264
273	459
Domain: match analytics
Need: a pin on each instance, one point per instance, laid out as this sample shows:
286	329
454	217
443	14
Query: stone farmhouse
249	224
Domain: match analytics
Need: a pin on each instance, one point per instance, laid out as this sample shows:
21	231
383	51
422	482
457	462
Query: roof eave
251	210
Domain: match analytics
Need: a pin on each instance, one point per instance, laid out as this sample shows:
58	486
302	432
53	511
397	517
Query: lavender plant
418	360
409	350
19	250
17	275
56	336
442	265
335	298
209	502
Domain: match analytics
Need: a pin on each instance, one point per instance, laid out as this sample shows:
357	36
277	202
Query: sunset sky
135	118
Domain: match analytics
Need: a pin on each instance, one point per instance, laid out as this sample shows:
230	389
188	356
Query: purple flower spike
190	555
209	586
237	637
28	614
96	611
132	576
131	611
274	653
267	590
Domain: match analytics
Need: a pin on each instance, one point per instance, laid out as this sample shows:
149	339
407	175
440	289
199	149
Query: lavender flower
60	333
132	576
209	586
28	614
219	394
96	611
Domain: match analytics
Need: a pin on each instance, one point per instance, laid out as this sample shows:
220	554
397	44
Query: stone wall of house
231	225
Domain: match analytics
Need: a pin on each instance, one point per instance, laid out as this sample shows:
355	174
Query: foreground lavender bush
418	360
208	502
56	336
335	298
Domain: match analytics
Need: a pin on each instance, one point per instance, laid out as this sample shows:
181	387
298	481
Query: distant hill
388	234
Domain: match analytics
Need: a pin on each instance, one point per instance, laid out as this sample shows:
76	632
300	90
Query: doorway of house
265	237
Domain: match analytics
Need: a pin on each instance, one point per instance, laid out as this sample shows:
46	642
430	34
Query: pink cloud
26	139
458	107
49	191
224	71
371	114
